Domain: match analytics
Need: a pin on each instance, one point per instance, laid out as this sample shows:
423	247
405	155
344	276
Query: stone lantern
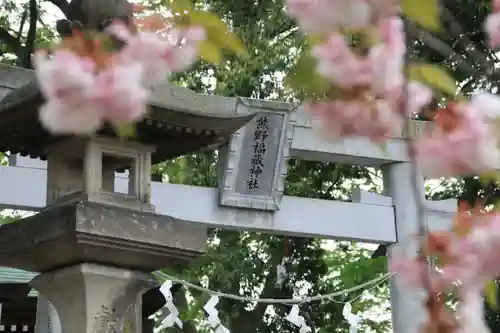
94	247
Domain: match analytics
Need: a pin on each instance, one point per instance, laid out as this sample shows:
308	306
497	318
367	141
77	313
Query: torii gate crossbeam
369	218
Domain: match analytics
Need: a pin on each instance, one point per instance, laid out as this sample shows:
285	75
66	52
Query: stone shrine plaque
254	162
259	154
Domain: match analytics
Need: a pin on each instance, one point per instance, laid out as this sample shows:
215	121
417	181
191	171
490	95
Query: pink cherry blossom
339	64
469	251
336	119
119	91
159	55
391	32
470	311
492	29
64	74
387	69
471	147
376	119
463	142
387	58
66	81
385	8
419	96
185	53
492	25
119	30
352	14
311	15
485	105
377	81
84	91
147	49
469	265
70	118
323	16
465	152
410	272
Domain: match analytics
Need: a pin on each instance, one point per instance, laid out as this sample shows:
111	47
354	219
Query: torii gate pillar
407	312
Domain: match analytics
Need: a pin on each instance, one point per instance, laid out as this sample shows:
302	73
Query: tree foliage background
244	263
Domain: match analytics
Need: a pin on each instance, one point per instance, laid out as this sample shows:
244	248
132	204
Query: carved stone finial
94	14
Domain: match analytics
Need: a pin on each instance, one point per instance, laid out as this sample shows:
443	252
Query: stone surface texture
92	298
83	231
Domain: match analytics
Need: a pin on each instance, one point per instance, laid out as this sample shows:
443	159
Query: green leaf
208	20
178	6
424	12
228	41
125	130
304	78
209	52
217	31
433	76
490	293
313	40
489	176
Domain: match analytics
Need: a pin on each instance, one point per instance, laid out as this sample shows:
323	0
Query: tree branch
441	47
252	319
21	25
11	41
30	40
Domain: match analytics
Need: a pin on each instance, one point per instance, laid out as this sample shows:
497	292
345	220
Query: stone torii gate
253	169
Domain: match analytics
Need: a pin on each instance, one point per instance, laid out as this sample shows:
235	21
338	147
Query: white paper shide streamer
213	315
295	318
173	316
351	318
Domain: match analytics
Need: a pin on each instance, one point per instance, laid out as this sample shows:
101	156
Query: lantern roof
180	121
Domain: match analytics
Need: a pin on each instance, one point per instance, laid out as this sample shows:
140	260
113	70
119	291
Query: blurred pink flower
469	146
336	119
184	54
373	86
338	63
470	311
120	94
66	81
80	118
64	75
485	106
492	28
419	96
387	58
81	95
410	273
159	55
492	25
375	119
323	16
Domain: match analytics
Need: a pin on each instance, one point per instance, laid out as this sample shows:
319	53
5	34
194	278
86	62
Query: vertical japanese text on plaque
259	151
